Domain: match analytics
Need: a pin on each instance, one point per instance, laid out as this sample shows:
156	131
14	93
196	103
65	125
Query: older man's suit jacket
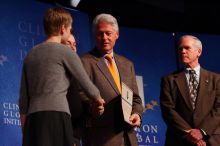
108	129
178	113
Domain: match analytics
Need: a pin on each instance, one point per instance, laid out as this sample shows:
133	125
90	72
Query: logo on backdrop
28	38
3	59
151	105
147	134
11	114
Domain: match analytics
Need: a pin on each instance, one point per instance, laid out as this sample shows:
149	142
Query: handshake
97	107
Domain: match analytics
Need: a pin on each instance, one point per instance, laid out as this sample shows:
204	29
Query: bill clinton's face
106	37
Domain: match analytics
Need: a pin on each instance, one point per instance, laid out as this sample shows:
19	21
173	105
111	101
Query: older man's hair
198	43
105	18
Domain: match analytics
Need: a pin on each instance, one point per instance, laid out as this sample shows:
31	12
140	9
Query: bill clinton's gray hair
105	18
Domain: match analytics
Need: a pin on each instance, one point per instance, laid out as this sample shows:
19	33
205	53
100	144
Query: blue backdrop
153	54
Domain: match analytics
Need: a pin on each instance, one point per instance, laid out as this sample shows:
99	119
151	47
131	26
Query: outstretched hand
98	107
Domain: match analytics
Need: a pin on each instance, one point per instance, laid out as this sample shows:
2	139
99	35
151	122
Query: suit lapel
180	79
202	90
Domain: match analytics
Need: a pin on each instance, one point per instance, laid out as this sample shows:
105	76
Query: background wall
153	54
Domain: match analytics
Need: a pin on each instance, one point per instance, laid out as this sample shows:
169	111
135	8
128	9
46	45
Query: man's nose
104	36
182	50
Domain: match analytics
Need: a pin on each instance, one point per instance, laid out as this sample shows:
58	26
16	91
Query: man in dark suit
110	129
190	100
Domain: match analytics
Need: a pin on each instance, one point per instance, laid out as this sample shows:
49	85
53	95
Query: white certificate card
126	101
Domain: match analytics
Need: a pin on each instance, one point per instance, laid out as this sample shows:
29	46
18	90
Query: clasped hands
97	107
195	136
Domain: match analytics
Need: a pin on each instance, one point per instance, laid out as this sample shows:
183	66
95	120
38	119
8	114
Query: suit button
195	116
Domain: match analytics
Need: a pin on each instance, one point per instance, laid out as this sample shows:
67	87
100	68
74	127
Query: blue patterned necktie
193	86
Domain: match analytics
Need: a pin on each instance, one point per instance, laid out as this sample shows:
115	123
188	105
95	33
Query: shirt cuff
204	134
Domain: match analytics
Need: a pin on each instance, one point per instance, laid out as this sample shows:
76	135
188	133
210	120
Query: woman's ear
62	29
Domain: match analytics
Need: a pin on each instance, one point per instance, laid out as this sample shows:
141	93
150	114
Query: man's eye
109	33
